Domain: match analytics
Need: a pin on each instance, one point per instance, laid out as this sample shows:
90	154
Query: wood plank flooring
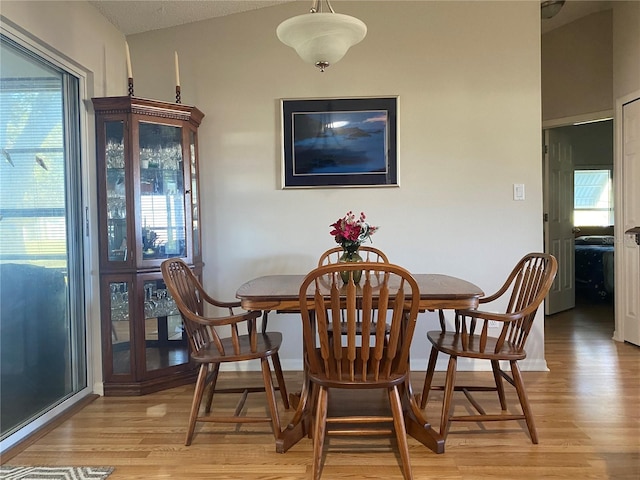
587	410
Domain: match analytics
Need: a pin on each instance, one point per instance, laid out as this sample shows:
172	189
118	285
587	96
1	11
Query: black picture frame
340	142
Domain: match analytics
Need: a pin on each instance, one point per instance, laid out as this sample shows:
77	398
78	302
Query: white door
627	251
559	237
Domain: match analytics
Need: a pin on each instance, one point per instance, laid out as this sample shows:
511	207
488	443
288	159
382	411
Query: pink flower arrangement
350	231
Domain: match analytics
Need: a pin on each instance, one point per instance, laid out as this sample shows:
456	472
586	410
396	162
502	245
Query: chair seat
451	344
267	344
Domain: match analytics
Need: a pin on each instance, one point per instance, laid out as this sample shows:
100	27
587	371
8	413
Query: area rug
54	473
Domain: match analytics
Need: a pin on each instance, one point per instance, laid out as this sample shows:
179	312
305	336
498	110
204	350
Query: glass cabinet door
116	192
119	312
164	338
162	201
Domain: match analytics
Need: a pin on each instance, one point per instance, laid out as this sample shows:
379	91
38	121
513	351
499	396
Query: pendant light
321	38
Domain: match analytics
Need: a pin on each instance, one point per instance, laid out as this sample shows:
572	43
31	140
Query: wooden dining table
280	293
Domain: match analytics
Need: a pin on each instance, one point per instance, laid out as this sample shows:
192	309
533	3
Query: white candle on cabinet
177	69
129	71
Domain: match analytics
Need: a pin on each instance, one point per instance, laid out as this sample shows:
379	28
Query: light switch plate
518	191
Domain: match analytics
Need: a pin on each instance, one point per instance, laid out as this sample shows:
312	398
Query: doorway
578	173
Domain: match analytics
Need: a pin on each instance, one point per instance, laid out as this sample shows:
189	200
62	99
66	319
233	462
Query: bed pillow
595	240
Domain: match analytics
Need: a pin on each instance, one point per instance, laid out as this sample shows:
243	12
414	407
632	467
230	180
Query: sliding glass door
42	324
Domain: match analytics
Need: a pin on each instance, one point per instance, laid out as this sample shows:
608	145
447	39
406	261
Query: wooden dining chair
370	361
210	350
368	254
522	293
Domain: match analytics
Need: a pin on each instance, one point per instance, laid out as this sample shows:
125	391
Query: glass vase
349	255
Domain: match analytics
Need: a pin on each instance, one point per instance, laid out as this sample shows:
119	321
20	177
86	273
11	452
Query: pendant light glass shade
321	38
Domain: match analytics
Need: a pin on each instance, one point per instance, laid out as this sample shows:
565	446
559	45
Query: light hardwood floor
587	410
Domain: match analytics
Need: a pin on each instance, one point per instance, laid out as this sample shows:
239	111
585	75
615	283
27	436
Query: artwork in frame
347	142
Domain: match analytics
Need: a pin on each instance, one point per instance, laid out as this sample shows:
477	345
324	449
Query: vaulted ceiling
137	16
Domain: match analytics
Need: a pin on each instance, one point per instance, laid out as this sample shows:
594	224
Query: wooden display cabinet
147	157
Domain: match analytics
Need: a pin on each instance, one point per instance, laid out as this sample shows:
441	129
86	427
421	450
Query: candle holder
178	99
130	86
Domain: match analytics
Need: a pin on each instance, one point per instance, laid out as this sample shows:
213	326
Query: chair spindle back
527	286
368	254
386	293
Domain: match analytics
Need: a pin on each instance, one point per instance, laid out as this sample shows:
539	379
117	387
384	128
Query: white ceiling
137	16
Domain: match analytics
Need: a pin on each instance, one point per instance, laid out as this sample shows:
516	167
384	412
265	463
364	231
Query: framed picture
350	142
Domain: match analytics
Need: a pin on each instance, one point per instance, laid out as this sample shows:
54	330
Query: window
593	205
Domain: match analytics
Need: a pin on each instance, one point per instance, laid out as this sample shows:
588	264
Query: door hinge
546	149
545	217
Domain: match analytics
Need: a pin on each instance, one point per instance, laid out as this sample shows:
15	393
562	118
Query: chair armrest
226	320
229	304
216	303
503	317
484	315
231	319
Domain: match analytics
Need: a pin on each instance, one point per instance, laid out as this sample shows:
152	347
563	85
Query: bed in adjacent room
594	267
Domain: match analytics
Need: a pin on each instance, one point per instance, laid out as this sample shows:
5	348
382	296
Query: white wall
591	62
626	48
79	33
577	67
468	78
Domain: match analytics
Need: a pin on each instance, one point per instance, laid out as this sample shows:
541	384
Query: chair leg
280	378
312	405
401	431
448	396
195	403
431	367
213	379
524	401
303	401
271	397
495	366
319	430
